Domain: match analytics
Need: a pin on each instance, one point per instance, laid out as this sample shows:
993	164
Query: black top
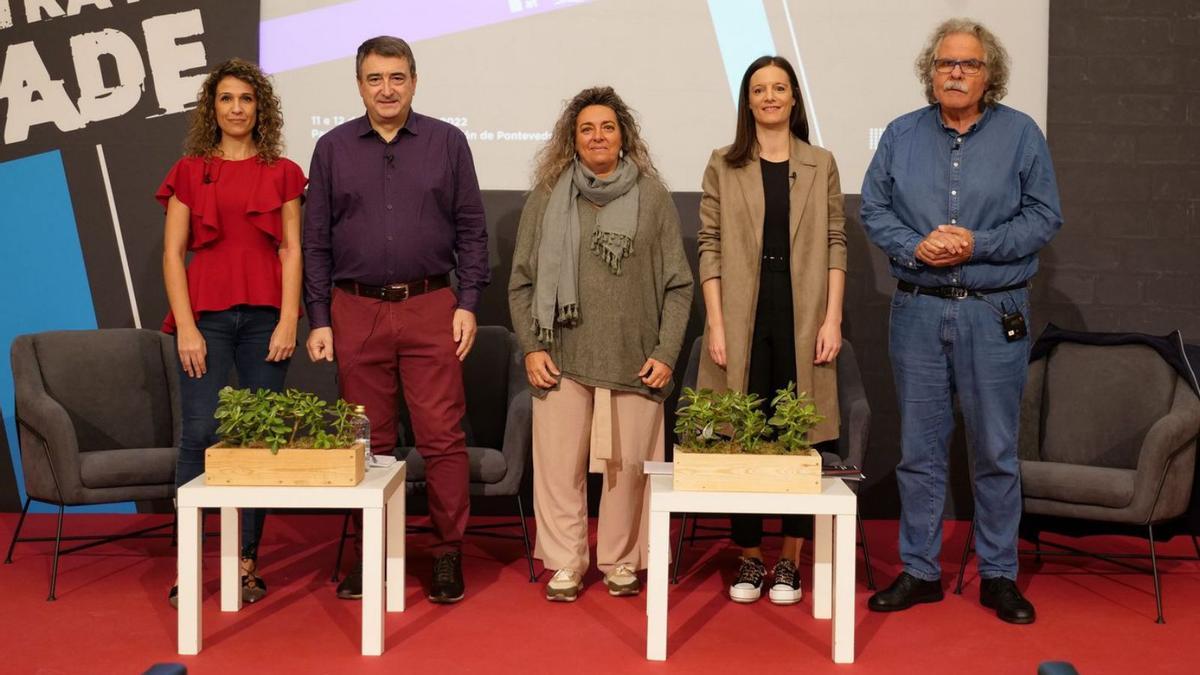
775	218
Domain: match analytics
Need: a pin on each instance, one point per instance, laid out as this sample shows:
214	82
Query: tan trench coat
730	241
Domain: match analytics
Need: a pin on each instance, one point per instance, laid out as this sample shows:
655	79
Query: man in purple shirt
393	206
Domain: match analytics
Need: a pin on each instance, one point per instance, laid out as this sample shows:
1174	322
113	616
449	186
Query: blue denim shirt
996	180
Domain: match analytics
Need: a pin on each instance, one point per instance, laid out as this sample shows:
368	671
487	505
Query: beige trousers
562	443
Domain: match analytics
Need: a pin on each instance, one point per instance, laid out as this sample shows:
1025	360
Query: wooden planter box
800	474
291	466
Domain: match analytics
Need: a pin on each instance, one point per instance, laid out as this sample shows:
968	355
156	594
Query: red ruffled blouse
236	229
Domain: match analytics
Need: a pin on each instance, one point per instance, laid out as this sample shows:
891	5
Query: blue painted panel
43	282
743	34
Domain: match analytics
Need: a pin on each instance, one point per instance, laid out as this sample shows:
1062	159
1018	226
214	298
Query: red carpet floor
111	615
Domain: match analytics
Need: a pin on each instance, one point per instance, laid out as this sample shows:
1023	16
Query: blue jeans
240	338
940	347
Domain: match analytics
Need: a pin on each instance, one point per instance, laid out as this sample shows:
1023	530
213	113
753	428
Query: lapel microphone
209	176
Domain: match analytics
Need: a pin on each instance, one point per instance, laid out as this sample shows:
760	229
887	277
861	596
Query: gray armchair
98	422
498	426
854	431
1108	436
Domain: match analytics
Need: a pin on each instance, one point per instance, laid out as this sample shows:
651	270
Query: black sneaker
785	587
447	586
351	586
747	587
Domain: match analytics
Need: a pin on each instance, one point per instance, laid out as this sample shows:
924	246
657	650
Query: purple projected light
335	32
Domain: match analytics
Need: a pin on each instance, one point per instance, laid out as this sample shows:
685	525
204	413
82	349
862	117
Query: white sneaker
785	588
564	586
747	586
622	580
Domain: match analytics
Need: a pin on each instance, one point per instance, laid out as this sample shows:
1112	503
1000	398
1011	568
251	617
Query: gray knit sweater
624	319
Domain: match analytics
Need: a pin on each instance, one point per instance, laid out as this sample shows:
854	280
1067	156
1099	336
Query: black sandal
253	587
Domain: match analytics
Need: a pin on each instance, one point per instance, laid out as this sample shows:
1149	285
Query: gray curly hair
995	56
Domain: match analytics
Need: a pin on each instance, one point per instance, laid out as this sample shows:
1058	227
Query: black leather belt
955	292
396	292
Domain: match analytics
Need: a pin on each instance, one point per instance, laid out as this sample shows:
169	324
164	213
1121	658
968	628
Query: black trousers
772	366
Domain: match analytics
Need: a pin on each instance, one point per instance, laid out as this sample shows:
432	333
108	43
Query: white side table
834	561
381	488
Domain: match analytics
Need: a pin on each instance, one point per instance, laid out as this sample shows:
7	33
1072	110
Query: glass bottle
361	426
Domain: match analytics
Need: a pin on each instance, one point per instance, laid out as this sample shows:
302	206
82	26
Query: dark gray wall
1124	122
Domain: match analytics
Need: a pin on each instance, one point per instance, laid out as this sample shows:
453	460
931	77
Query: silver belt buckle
403	289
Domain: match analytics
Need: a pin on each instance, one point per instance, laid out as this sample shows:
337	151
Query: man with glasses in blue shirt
961	196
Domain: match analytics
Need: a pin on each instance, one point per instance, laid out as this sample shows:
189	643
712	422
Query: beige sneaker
622	580
564	586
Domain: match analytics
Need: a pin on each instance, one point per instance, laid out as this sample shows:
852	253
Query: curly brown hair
559	151
204	136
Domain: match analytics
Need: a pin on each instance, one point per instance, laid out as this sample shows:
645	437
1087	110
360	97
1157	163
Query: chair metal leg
1154	569
962	564
862	536
1037	548
692	536
17	533
525	538
337	566
57	548
679	547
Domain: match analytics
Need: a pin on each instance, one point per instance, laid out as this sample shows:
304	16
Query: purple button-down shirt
381	213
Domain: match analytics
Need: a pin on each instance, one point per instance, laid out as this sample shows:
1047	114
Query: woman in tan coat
772	268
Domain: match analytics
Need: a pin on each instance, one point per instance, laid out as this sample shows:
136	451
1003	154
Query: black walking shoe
447	586
1003	596
351	586
905	592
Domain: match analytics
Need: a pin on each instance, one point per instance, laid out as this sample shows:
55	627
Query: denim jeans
236	338
940	347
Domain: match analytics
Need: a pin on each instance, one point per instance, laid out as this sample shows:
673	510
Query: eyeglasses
969	67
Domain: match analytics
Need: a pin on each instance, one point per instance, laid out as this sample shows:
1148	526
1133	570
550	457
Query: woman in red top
233	202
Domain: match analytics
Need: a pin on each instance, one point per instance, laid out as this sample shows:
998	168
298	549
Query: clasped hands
946	246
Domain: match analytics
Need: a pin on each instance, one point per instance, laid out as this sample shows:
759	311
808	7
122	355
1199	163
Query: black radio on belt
1014	326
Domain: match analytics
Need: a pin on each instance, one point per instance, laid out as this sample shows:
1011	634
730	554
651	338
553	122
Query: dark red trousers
377	343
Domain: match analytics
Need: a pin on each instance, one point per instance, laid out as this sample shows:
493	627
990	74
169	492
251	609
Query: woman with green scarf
599	296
